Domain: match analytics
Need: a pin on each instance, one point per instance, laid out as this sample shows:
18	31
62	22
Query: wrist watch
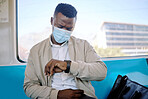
68	66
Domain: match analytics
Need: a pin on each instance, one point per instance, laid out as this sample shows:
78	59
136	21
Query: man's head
66	9
64	18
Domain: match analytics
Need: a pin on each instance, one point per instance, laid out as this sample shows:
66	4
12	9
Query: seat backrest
11	82
12	77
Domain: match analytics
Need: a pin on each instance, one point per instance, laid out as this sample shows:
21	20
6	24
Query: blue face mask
61	35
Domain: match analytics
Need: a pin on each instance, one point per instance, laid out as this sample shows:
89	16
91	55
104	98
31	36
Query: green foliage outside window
109	52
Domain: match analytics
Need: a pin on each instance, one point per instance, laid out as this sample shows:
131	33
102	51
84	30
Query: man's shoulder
78	40
40	45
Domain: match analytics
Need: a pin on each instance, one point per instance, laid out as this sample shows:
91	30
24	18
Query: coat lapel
47	56
71	50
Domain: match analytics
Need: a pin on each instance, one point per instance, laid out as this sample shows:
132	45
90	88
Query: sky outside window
34	18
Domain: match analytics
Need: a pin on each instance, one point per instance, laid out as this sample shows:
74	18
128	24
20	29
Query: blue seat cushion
12	77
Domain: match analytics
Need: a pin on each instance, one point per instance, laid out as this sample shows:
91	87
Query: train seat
12	77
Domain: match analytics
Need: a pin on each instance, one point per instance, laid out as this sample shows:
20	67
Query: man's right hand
70	94
55	66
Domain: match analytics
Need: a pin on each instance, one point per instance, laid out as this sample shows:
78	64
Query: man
62	66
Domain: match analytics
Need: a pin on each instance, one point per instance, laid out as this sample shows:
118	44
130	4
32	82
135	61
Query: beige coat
85	66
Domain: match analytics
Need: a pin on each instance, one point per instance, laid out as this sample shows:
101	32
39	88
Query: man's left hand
55	66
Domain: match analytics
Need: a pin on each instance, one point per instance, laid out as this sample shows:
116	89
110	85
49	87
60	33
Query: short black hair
66	9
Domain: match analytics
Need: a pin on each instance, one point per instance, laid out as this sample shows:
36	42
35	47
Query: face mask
61	35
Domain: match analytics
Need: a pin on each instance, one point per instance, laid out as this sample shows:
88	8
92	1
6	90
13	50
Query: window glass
113	27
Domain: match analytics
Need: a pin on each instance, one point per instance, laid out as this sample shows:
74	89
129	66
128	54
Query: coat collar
48	51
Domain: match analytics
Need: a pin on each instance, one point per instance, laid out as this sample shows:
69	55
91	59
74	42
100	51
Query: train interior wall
8	37
10	72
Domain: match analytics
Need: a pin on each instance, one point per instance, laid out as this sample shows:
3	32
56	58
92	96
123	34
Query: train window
115	28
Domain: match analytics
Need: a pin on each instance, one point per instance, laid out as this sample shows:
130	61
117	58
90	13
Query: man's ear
51	20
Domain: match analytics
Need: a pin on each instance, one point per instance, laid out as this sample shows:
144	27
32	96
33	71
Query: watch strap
68	66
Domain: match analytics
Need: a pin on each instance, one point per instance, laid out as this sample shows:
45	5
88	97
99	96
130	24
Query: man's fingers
78	91
49	63
77	95
57	70
57	64
52	70
50	67
45	70
48	71
61	65
47	67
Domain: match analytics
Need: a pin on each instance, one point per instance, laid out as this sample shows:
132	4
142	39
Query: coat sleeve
90	69
32	86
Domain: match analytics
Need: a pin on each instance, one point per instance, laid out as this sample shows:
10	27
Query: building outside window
115	28
129	39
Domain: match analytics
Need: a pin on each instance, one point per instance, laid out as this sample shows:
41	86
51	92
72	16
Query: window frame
17	53
103	58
